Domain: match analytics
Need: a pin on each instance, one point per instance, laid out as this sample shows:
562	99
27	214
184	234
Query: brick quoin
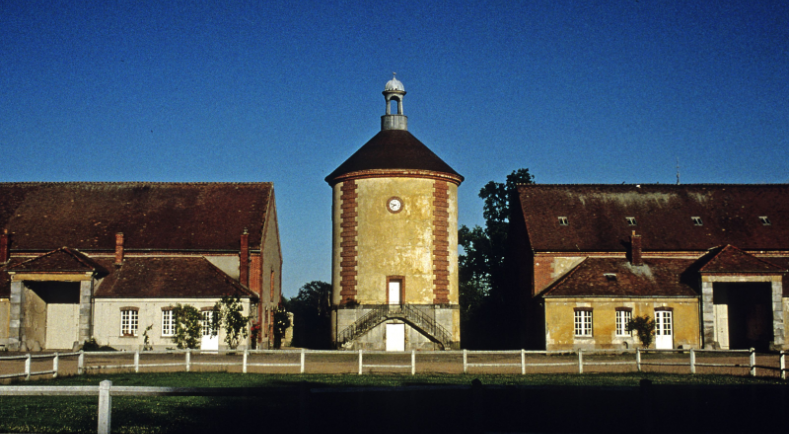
349	243
440	242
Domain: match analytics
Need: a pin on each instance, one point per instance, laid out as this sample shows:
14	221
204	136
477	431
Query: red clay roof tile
730	214
617	277
177	216
730	259
162	277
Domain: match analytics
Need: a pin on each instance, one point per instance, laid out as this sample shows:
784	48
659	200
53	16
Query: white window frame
622	318
130	321
168	323
582	321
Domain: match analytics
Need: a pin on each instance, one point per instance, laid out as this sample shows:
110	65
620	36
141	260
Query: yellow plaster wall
395	244
5	317
559	316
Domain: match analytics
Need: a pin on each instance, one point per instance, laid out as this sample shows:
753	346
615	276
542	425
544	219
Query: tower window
394	107
631	221
563	221
697	221
765	221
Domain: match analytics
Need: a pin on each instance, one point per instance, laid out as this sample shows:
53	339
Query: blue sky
576	91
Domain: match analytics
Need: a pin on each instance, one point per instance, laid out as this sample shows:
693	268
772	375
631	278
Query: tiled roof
161	277
730	259
58	261
617	277
596	216
393	149
180	216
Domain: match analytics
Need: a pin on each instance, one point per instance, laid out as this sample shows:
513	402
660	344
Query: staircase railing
380	313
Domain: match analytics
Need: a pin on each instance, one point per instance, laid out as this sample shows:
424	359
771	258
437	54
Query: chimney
119	248
635	249
243	259
4	256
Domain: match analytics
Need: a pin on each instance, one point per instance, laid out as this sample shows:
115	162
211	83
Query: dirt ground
347	362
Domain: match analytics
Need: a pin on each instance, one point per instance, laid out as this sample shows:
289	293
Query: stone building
394	257
707	262
107	260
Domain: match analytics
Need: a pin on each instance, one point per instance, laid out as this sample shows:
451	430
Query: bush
188	327
644	327
227	313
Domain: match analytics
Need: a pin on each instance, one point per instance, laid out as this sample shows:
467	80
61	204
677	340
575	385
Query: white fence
420	361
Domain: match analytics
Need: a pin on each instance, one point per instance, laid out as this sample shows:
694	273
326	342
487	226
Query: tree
488	315
227	315
311	315
188	326
281	324
644	327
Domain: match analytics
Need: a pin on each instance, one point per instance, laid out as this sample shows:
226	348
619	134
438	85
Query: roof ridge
137	182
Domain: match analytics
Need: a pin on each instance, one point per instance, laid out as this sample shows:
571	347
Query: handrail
380	313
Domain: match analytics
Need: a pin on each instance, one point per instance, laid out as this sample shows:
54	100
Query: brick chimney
4	256
119	248
635	249
243	259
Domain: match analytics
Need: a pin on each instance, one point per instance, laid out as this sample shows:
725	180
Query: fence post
692	361
27	367
80	362
360	362
55	363
638	359
413	362
783	365
188	360
753	362
244	362
523	362
465	361
105	407
301	368
137	361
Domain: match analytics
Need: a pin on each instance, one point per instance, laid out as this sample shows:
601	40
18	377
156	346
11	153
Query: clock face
394	204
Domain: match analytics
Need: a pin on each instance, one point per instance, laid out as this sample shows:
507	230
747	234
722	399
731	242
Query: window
622	318
168	323
208	322
583	322
631	221
697	221
765	220
129	321
563	221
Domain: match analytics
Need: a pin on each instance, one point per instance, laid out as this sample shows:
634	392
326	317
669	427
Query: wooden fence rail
490	359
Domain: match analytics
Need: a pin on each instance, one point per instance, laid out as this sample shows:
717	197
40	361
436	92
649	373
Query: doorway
743	315
55	306
664	330
209	342
395	291
395	337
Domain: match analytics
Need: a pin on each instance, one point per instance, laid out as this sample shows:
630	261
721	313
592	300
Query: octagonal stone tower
394	256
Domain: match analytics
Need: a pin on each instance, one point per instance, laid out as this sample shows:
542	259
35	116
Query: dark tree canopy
487	316
311	315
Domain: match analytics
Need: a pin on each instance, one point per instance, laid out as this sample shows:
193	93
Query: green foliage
311	315
188	328
644	326
281	324
486	311
146	340
227	315
92	345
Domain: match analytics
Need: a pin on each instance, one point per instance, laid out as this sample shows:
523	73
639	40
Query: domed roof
394	84
393	150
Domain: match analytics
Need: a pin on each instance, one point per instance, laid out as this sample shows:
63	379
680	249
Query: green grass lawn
504	406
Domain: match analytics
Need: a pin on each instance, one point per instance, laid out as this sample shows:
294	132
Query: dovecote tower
394	248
